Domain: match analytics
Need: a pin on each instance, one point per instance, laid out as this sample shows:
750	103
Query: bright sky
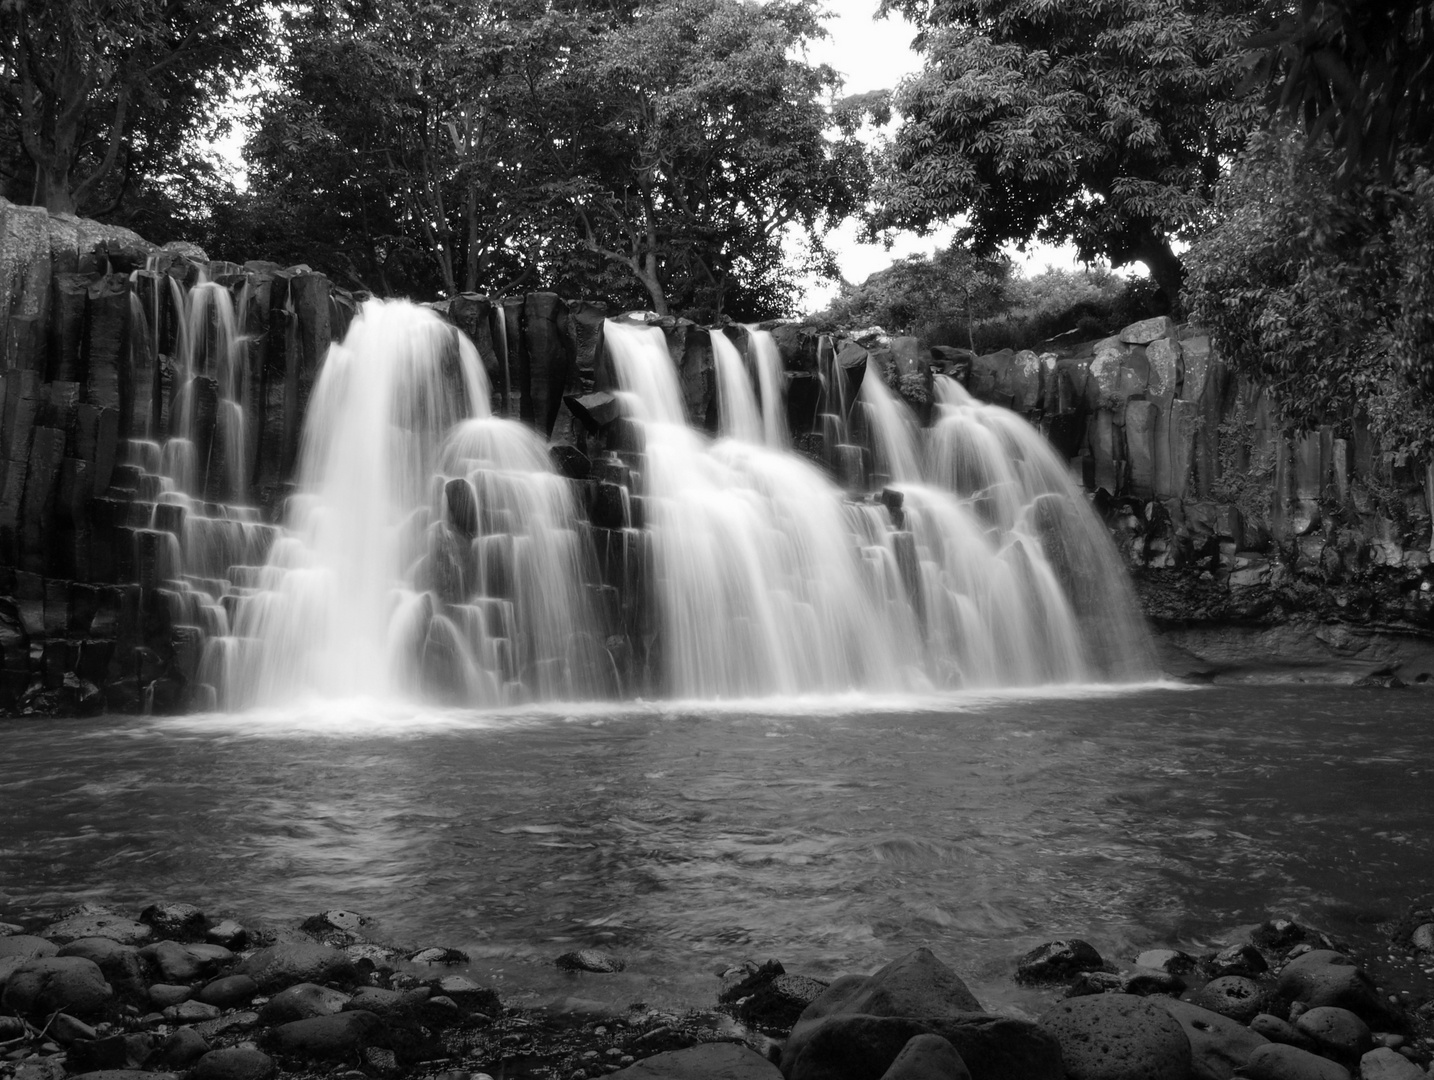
875	54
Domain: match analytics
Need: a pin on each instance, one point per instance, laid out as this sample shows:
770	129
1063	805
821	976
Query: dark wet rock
182	1049
709	1061
1234	996
302	1002
1237	960
1325	977
295	962
99	925
467	994
593	960
1383	1063
52	984
856	1028
229	992
178	922
234	1063
368	956
742	979
111	1052
26	946
1279	1062
569	461
776	1005
228	933
175	963
1337	1033
441	1012
1281	1031
1118	1037
121	964
65	1029
190	1012
927	1057
439	956
389	1005
126	1074
1057	961
337	1037
862	1047
1218	1045
1280	935
163	995
1171	961
336	926
1144	983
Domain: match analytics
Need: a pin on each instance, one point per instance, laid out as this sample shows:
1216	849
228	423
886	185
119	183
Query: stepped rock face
1219	512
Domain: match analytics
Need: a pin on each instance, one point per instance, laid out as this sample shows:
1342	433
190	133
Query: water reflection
690	837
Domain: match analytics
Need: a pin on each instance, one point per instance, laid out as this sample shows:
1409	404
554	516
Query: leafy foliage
1099	122
1318	289
1359	71
103	99
658	156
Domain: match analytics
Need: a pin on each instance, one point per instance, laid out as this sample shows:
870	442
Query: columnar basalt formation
141	473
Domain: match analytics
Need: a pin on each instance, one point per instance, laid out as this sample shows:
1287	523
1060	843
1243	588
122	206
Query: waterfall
429	551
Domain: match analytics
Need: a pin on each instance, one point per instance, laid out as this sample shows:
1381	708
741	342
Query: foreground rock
859	1026
714	1061
1119	1037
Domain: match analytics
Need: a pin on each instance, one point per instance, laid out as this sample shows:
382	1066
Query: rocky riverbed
174	993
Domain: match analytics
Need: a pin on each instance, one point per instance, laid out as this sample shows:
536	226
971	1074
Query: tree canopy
100	96
1103	123
663	155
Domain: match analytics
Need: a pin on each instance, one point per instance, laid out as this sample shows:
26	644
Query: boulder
228	933
917	985
234	1063
229	992
594	960
389	1005
1385	1064
468	995
163	995
339	1037
1057	961
26	946
175	963
1234	996
178	922
52	984
296	962
1119	1037
709	1061
1171	961
1338	1033
1281	1031
1325	977
182	1049
302	1002
121	964
115	927
927	1057
1279	1062
1148	330
1218	1045
1237	960
191	1012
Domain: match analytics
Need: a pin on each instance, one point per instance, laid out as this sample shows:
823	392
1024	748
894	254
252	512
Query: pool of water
831	834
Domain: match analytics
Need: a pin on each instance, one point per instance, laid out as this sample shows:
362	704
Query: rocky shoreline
174	994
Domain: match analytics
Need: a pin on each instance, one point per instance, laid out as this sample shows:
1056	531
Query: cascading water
770	581
429	551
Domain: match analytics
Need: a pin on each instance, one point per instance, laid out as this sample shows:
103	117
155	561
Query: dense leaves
102	99
1320	290
1359	71
662	156
1099	122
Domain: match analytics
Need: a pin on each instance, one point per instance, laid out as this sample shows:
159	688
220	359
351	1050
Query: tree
1359	71
1103	123
661	156
699	150
102	94
1320	290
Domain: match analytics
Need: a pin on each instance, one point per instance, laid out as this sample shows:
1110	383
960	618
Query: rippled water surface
833	835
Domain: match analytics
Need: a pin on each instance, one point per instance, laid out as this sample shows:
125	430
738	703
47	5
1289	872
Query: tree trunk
55	193
1164	266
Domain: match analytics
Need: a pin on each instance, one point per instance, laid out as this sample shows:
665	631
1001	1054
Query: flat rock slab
114	927
296	962
710	1061
1119	1037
